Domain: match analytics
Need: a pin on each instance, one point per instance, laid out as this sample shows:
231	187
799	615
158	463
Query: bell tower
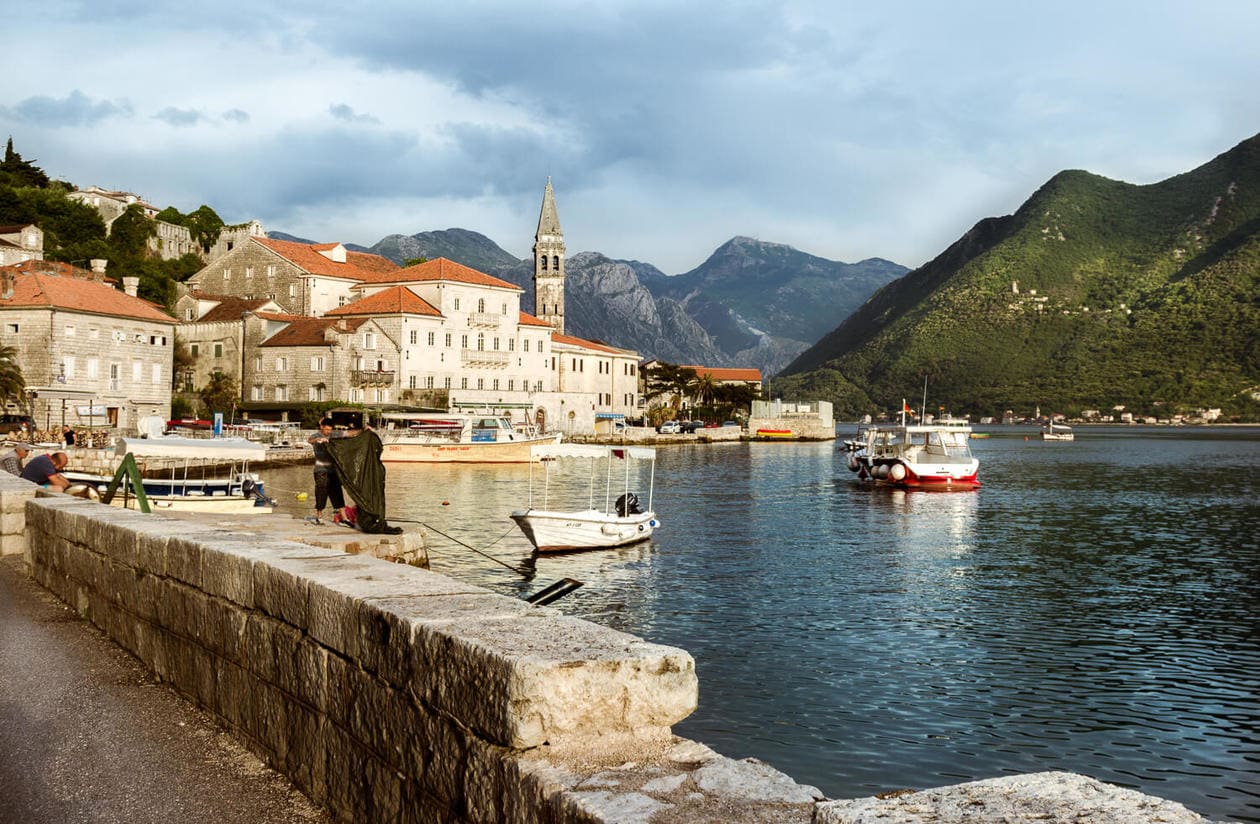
549	263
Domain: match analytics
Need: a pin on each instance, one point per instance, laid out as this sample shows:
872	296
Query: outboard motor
628	504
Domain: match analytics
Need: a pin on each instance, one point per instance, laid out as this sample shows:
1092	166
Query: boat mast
923	408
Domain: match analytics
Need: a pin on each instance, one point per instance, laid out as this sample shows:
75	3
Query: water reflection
1091	608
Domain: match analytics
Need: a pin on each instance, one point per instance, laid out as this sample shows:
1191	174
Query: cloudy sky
848	130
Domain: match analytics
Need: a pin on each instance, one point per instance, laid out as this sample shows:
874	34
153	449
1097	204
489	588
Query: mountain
750	304
1095	293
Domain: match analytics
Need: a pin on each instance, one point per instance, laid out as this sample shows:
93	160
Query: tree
220	394
184	362
129	236
12	383
204	224
19	172
414	262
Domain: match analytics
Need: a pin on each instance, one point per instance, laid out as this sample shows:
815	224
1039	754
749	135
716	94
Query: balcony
483	320
365	377
476	358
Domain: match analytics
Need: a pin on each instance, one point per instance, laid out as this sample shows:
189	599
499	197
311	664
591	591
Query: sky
847	130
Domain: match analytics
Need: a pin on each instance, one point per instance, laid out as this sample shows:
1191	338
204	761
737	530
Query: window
511	344
227	275
94	333
69	331
369	340
156	377
188	314
544	263
67	367
525	343
292	290
432	338
317	363
92	366
456	304
481	304
511	384
428	382
218	350
255	392
496	344
555	262
11	328
495	385
463	341
481	383
538	386
282	364
481	342
411	382
504	312
271	272
194	348
258	363
249	272
341	300
447	383
282	393
137	371
448	340
415	337
463	383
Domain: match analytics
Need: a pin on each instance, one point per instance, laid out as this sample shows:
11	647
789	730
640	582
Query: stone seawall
390	693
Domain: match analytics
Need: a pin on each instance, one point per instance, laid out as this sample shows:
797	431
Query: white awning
589	451
207	449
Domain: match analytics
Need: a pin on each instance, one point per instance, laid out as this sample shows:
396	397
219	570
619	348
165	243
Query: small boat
929	456
195	475
457	438
775	434
978	435
619	523
1057	432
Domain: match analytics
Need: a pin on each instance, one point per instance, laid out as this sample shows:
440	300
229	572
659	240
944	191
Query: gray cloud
75	109
180	118
236	116
346	114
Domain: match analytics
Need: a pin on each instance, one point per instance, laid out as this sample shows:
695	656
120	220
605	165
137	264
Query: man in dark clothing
327	482
68	434
45	470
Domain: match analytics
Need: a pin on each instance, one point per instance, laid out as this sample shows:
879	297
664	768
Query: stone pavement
88	735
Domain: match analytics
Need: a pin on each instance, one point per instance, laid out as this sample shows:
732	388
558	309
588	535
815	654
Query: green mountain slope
1096	293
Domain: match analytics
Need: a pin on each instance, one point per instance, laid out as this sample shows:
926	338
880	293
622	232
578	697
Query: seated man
45	470
12	458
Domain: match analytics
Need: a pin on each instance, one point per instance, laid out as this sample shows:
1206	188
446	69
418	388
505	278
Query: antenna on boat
923	408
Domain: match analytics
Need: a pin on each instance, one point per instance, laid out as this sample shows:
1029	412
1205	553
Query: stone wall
389	693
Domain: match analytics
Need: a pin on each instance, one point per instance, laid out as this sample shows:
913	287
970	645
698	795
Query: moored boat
1057	432
458	438
775	434
619	523
196	475
918	456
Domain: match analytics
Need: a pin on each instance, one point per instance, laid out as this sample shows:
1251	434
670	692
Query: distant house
730	375
90	353
21	243
302	278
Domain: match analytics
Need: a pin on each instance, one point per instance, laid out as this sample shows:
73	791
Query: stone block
282	579
346	795
305	760
270	646
172	606
184	559
118	538
234	692
531	680
1047	796
227	573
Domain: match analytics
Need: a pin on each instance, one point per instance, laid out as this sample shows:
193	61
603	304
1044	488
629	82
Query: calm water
1094	608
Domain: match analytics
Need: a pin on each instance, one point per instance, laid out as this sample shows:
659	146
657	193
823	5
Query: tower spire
549	263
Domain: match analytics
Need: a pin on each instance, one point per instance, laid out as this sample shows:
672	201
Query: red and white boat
918	456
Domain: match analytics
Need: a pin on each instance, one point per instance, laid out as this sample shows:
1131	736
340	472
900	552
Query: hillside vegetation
1095	294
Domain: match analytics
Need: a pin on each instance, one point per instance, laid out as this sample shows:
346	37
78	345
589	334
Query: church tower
549	263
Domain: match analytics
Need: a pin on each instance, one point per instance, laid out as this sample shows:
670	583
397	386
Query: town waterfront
1092	608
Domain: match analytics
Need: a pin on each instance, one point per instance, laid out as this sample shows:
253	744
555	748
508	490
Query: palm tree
12	384
220	394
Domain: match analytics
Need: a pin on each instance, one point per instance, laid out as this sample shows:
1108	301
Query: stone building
302	278
549	263
216	329
90	354
321	359
20	243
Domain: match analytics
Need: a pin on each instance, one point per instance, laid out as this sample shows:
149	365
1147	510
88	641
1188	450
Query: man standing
45	470
327	482
68	434
11	460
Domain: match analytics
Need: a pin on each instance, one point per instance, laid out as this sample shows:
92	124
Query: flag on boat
905	407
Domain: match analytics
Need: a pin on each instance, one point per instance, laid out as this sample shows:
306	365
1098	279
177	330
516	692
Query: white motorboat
185	475
1057	432
928	456
454	437
619	523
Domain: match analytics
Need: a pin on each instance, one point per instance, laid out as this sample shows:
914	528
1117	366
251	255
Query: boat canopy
577	450
206	449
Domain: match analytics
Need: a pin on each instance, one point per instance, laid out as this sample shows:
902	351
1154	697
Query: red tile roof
309	331
306	256
231	308
720	373
442	269
40	283
556	337
398	300
527	319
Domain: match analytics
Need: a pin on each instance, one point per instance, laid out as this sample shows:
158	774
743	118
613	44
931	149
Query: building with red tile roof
90	353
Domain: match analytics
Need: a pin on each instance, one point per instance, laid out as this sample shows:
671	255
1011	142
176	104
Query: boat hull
775	434
555	531
937	476
416	450
222	496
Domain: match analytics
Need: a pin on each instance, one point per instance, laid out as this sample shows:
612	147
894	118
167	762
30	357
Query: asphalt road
88	735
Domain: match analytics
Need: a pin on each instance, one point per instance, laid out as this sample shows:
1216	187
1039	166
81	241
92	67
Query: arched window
481	341
481	305
544	263
555	263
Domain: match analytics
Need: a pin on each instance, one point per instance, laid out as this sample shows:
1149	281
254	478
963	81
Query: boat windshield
946	442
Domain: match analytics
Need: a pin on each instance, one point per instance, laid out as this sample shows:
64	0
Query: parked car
690	427
13	423
729	423
669	428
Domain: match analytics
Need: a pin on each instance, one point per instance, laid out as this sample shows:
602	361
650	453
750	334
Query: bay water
1094	607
